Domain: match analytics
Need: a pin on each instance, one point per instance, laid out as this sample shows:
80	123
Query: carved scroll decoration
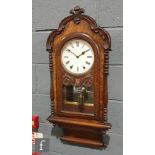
68	80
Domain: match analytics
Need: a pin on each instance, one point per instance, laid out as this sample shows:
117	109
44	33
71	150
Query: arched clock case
78	62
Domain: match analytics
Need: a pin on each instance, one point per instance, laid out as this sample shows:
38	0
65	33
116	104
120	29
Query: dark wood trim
79	122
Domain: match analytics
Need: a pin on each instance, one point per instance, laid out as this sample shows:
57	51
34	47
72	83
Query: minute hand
83	52
72	52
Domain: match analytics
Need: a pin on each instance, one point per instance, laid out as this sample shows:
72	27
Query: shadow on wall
57	132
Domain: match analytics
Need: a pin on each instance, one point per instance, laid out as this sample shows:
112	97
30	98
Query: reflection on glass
78	98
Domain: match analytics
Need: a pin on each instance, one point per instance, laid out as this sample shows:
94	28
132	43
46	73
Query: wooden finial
77	10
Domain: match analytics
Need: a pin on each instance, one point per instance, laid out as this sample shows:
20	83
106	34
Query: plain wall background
46	15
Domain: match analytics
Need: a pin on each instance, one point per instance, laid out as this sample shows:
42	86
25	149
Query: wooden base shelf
81	131
83	141
79	122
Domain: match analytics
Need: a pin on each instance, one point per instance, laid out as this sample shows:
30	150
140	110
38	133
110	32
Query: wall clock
78	62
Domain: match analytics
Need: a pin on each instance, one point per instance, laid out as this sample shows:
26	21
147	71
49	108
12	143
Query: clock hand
72	52
83	52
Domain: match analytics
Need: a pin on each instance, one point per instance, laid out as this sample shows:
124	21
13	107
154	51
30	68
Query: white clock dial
77	56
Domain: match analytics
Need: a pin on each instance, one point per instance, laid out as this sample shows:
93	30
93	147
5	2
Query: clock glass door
78	99
77	60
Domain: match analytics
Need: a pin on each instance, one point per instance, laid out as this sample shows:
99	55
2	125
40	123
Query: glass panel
78	98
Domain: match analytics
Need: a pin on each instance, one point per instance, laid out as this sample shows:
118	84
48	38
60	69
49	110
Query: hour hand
84	52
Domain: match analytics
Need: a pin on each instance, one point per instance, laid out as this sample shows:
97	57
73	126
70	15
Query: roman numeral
71	67
89	56
68	50
77	43
83	45
84	67
77	68
88	63
67	62
65	56
72	45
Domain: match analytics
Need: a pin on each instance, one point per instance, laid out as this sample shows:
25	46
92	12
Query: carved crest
76	12
77	15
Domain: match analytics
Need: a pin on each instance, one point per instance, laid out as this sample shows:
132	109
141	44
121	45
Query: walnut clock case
78	62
